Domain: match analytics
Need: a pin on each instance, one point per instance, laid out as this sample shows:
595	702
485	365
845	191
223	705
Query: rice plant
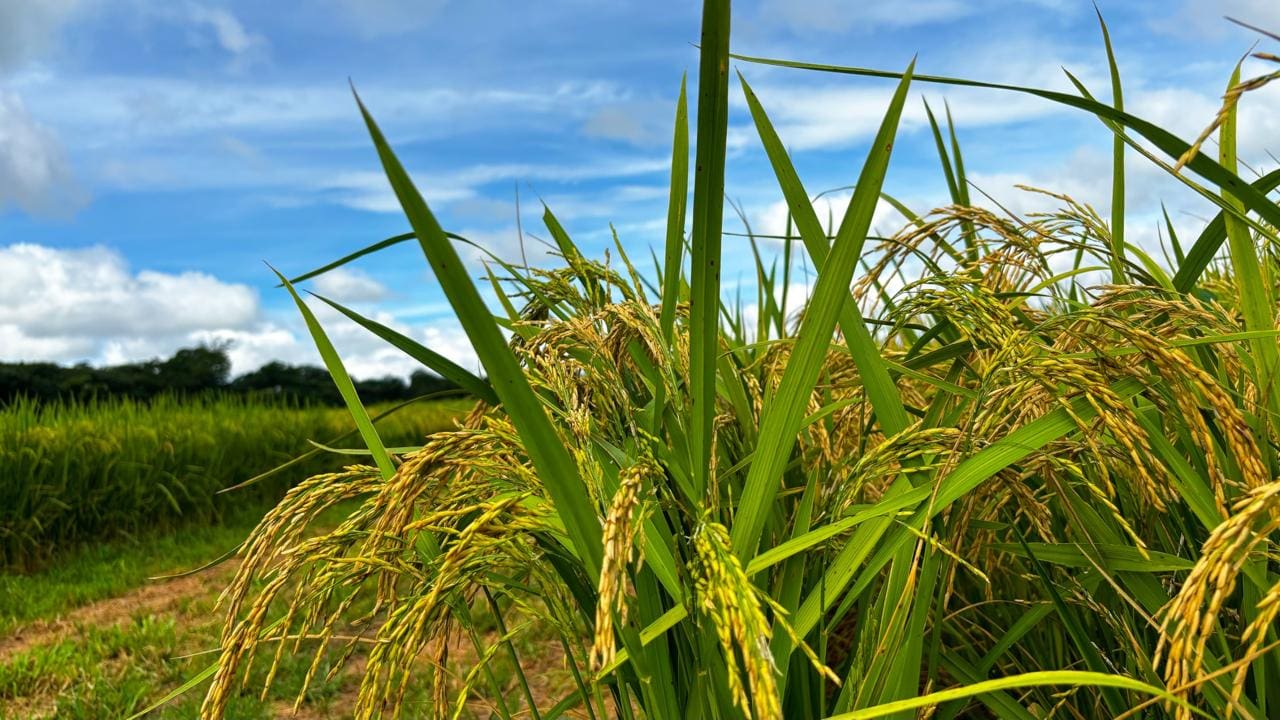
961	480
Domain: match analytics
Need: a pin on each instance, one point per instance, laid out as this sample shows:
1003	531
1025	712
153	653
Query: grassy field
72	473
99	631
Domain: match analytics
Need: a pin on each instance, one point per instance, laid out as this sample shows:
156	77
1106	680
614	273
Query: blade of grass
547	452
784	412
673	259
437	363
708	214
1258	307
1073	678
1117	164
881	391
1118	558
342	380
380	245
1256	302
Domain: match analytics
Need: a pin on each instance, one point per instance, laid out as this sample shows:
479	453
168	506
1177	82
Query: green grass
110	568
76	473
115	669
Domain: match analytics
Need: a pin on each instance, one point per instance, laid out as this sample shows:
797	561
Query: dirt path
166	598
179	598
154	598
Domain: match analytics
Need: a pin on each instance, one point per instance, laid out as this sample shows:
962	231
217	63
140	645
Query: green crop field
105	502
990	465
77	472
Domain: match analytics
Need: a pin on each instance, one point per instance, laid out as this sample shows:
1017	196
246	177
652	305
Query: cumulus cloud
34	173
92	293
87	304
364	354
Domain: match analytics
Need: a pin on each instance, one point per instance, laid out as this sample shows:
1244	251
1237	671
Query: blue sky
154	154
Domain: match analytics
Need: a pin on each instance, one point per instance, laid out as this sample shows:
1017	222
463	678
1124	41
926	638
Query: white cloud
364	354
140	133
71	305
17	346
451	341
34	173
227	29
92	293
346	285
87	304
840	113
29	27
504	242
1180	110
1085	175
125	108
369	190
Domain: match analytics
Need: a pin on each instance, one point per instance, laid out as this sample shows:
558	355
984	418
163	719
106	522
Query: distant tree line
198	371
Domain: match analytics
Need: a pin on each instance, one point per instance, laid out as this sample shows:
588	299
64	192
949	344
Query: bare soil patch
154	598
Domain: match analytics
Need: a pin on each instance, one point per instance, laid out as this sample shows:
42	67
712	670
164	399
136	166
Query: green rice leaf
1117	164
881	390
1071	678
1118	558
784	412
342	380
548	454
708	211
437	363
380	245
673	258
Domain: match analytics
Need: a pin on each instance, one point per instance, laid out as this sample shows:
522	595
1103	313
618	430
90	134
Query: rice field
74	473
108	508
993	466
